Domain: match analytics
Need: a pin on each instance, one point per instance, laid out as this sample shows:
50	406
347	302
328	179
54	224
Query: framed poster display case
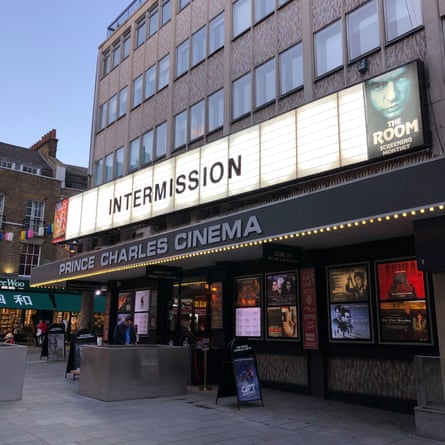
349	303
281	301
248	310
403	306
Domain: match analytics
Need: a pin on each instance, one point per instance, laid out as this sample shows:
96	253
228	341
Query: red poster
309	309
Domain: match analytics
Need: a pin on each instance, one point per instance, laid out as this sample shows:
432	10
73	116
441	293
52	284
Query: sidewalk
51	412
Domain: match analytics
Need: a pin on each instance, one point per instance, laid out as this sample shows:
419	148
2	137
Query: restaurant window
215	110
216	33
164	69
29	258
119	163
147	147
116	55
242	17
182	58
153	21
126	45
112	109
150	82
123	94
34	214
140	32
133	160
99	172
161	140
108	167
241	96
197	120
198	46
401	17
263	8
106	62
180	129
291	69
265	90
166	11
137	91
328	49
363	30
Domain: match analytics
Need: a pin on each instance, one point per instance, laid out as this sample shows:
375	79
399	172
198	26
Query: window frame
162	126
153	18
197	114
144	159
112	109
148	82
215	30
99	171
182	58
122	106
329	68
291	70
166	11
28	259
138	86
134	154
262	83
239	14
161	71
213	99
141	32
181	122
418	6
198	45
119	162
247	90
108	167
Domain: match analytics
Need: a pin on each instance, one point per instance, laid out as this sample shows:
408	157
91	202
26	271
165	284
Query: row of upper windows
266	82
20	167
206	115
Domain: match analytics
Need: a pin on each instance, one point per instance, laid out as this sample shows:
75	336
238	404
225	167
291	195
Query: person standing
124	332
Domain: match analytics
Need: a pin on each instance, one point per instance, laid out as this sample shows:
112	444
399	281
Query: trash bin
12	371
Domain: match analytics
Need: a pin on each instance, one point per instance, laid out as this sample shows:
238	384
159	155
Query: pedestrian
124	332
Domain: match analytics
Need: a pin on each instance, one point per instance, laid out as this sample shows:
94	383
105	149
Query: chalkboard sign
239	374
80	338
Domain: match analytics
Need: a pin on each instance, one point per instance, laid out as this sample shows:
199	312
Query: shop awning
65	302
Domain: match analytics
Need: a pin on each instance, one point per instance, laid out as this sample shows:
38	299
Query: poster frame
239	282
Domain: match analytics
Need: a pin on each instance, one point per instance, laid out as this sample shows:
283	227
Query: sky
48	70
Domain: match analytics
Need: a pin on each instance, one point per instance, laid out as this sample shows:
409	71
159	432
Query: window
263	8
99	172
29	257
153	21
2	203
241	96
265	89
102	117
29	169
123	101
116	55
197	120
106	62
161	140
7	164
328	48
34	215
112	109
164	67
140	32
215	104
119	162
150	82
198	46
291	68
147	147
363	30
126	45
242	18
182	58
166	11
282	2
108	167
216	33
181	129
182	4
133	160
402	16
137	91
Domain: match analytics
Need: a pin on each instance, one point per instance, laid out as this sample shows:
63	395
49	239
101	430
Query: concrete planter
12	371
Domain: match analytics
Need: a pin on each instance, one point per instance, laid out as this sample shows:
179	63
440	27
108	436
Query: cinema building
272	170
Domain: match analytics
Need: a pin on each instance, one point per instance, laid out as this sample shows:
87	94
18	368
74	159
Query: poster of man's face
281	288
350	322
393	111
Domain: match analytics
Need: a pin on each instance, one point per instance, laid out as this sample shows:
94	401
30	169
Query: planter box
12	371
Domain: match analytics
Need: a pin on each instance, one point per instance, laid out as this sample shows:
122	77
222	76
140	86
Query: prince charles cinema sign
383	116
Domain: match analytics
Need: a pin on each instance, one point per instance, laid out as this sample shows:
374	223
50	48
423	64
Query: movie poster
281	288
246	377
393	111
348	283
282	322
350	321
404	321
248	291
60	220
400	280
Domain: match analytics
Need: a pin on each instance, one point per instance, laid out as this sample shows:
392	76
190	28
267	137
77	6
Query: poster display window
403	308
349	307
281	300
248	314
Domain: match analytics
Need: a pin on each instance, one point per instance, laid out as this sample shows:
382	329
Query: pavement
52	412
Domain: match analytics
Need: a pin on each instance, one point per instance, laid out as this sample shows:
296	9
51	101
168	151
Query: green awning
25	300
65	302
